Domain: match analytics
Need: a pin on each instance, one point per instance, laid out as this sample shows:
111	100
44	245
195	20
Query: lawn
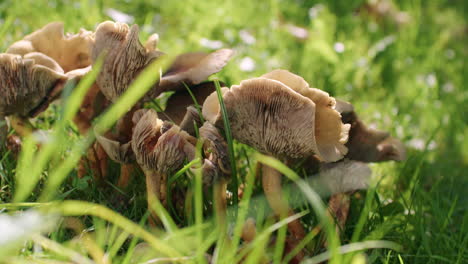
403	67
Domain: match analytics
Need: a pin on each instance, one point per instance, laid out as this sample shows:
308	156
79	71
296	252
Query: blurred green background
401	63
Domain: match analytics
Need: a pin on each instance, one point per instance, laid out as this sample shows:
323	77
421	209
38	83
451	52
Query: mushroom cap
217	164
291	119
330	133
160	146
368	144
24	84
268	116
70	51
193	68
125	57
117	151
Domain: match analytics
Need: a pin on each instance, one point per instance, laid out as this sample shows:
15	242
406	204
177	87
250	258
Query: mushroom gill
124	58
330	133
25	85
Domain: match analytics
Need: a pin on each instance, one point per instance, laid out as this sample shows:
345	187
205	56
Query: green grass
408	79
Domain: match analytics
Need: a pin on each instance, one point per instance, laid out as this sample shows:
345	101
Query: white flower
247	64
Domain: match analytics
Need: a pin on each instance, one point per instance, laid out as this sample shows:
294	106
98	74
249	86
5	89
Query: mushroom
27	87
368	144
216	169
280	115
125	57
70	51
160	148
352	173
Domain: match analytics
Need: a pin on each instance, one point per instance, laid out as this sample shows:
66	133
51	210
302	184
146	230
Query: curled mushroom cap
279	114
368	144
25	85
193	68
330	133
70	51
125	57
158	145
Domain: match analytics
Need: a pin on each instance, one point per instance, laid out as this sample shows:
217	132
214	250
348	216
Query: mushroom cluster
278	114
34	71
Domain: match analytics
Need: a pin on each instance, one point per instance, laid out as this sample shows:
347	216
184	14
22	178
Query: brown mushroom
125	57
351	174
160	148
27	88
368	144
70	51
216	169
281	121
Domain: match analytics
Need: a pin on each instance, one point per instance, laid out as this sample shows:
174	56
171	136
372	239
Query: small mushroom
368	144
352	173
216	169
281	116
70	51
160	148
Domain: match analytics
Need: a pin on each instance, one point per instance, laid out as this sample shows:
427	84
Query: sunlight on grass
403	68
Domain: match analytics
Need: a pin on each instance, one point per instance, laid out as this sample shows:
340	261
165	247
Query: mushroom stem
219	193
338	207
155	182
271	181
125	175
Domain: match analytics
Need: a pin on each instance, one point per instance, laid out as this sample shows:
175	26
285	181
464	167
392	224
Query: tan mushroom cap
368	144
330	133
160	146
118	152
70	51
193	68
268	116
24	84
125	57
211	108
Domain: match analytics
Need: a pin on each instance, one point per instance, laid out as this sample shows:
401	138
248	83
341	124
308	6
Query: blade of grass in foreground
79	208
229	139
104	122
242	213
371	244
